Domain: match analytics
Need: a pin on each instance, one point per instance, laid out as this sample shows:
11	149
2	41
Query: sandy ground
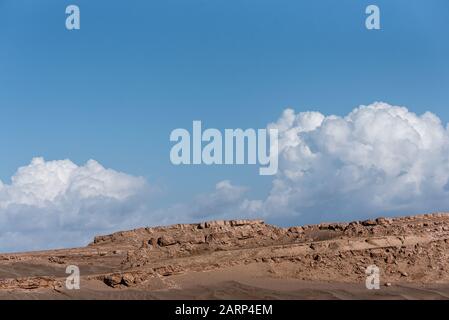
244	259
237	283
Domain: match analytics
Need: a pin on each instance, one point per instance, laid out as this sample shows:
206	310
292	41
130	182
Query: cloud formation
379	159
57	203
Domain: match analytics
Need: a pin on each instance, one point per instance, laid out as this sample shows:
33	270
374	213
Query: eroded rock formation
407	249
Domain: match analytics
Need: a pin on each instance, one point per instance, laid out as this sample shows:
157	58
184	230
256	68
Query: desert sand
244	259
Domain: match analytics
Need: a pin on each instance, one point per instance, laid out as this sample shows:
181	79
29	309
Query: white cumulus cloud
378	159
57	203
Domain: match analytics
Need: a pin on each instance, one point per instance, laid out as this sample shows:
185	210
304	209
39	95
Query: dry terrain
244	259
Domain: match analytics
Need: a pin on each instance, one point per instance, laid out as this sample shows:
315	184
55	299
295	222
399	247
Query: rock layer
406	249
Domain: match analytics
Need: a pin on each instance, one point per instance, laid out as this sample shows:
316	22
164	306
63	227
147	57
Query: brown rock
166	240
113	280
153	242
128	279
367	223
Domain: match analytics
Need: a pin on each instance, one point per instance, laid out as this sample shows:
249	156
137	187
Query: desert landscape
244	259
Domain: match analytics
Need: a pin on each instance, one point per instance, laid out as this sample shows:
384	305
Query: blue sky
115	89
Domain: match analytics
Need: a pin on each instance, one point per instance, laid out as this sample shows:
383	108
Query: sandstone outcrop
408	249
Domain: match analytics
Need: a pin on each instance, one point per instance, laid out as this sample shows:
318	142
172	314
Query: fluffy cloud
57	203
53	204
379	159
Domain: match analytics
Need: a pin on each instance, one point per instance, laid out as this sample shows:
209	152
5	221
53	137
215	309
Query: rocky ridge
408	249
